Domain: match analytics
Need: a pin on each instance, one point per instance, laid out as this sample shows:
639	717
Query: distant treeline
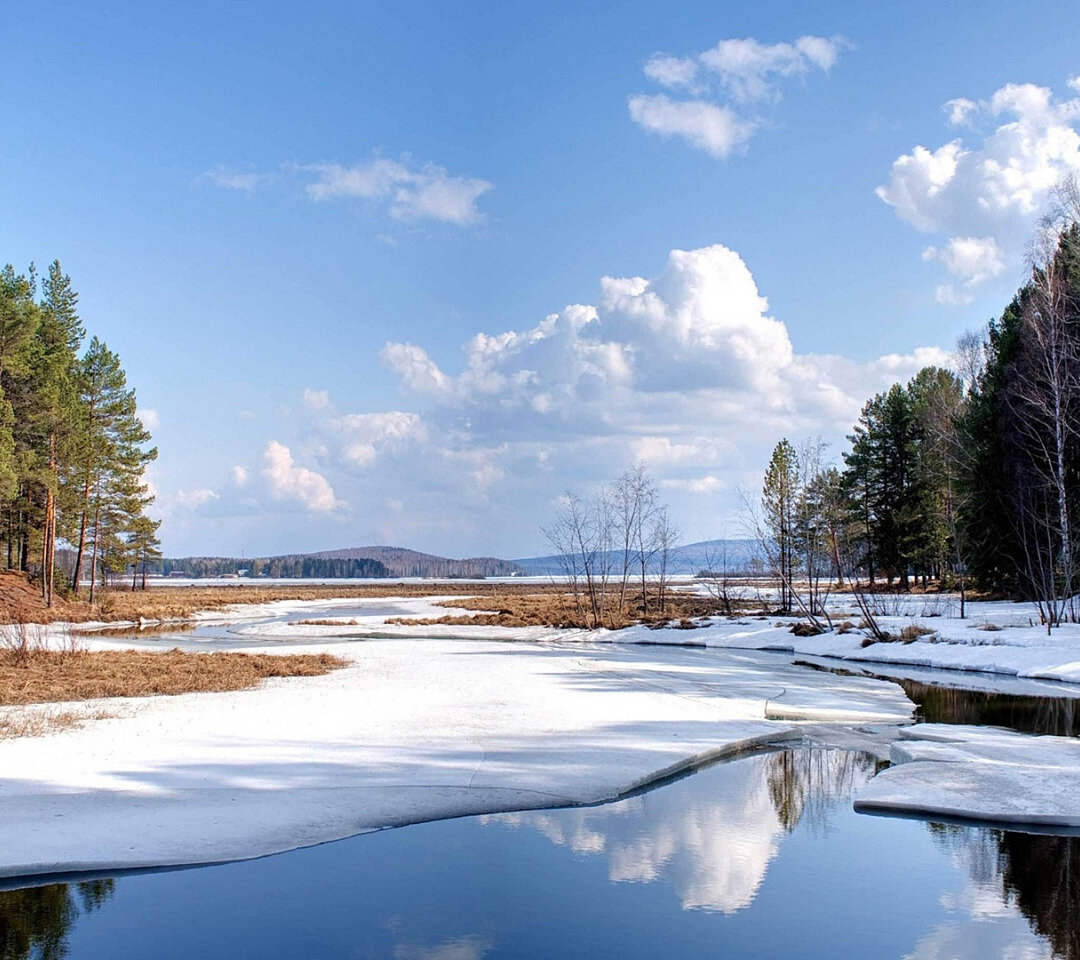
277	567
72	447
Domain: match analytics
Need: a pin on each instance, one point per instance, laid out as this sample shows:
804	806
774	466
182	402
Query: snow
406	732
979	773
468	719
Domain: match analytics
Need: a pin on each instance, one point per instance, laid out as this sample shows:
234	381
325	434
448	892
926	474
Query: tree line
969	475
73	450
276	567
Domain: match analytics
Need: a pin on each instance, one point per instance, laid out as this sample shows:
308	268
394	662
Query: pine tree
779	501
53	374
19	320
111	454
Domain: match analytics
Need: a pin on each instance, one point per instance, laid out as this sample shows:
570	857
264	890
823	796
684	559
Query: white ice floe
1018	651
979	773
406	732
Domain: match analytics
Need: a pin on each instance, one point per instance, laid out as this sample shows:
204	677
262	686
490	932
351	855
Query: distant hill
736	555
402	562
347	562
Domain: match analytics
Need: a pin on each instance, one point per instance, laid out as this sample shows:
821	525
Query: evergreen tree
111	455
779	501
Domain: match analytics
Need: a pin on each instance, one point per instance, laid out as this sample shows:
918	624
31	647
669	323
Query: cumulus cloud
193	499
685	368
731	82
229	178
427	192
985	196
315	399
240	476
707	126
288	481
706	484
972	260
150	418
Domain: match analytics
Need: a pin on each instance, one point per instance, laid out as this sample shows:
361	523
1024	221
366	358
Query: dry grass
36	722
327	623
913	631
48	676
20	600
556	608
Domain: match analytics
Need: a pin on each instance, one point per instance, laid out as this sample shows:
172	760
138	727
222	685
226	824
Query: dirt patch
56	677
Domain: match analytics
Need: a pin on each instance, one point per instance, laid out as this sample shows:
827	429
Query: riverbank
452	719
406	732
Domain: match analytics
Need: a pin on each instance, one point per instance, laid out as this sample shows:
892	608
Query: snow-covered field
457	720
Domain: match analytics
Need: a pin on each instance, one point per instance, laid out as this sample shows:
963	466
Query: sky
405	274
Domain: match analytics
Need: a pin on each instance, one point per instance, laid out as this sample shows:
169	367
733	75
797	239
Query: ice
979	773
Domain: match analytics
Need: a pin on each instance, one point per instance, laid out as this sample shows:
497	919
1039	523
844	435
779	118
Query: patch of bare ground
51	676
561	609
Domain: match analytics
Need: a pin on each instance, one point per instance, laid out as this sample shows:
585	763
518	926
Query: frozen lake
761	857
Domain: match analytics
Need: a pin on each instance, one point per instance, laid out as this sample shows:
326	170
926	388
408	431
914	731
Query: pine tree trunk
82	535
94	552
49	546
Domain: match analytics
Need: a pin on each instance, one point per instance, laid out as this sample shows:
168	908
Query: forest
73	450
962	477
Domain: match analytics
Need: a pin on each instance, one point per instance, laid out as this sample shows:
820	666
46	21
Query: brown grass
20	600
30	722
54	677
559	609
327	623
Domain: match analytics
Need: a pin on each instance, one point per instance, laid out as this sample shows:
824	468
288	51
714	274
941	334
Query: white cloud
415	367
972	260
714	129
193	499
427	192
315	399
737	77
750	71
228	178
960	110
240	476
287	481
673	71
706	484
993	189
150	418
686	368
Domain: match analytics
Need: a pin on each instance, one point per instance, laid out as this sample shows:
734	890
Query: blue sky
255	200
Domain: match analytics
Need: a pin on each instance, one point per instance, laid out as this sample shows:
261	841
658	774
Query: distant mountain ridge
370	561
736	555
402	562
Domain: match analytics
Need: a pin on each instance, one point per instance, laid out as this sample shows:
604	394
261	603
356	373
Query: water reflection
762	856
36	922
712	839
1056	716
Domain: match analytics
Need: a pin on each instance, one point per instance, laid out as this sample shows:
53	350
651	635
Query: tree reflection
1036	873
35	922
1056	716
807	783
1043	875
